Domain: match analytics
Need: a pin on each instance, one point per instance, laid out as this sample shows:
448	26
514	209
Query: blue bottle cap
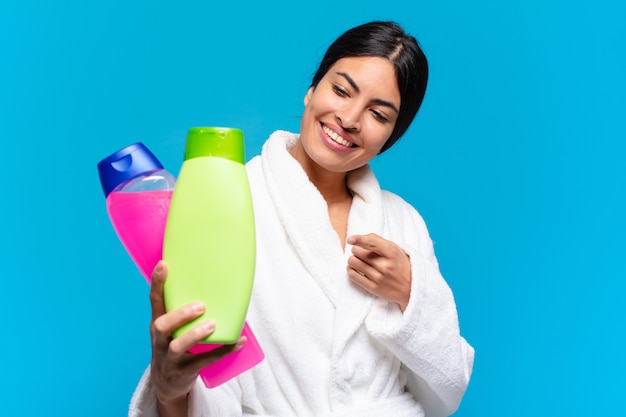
125	164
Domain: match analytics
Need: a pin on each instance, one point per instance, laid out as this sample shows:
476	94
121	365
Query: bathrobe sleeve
426	337
224	400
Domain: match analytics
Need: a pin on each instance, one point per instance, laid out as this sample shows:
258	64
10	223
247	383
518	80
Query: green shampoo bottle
209	243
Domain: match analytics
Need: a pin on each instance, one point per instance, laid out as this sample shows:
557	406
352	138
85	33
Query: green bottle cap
224	142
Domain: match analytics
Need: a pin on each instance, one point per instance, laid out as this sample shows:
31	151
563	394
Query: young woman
348	302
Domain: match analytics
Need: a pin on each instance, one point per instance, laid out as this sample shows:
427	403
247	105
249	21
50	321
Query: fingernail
198	307
209	325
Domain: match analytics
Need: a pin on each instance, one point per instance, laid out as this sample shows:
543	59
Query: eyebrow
358	90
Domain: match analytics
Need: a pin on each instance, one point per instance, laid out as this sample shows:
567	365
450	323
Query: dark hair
387	40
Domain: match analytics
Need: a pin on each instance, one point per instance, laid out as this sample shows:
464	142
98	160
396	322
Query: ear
308	95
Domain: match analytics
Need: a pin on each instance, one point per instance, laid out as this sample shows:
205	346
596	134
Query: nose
349	118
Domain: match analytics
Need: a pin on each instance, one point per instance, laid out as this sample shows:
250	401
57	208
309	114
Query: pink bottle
138	191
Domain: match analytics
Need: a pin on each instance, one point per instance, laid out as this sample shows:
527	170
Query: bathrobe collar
303	212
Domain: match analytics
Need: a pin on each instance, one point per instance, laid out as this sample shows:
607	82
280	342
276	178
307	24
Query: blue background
516	161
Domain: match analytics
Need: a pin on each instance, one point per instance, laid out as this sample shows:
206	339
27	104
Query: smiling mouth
337	138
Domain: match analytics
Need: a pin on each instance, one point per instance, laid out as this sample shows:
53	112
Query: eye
340	91
379	116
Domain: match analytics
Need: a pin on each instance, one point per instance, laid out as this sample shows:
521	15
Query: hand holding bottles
173	369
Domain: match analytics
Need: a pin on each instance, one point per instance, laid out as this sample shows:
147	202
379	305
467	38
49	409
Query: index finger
371	242
156	290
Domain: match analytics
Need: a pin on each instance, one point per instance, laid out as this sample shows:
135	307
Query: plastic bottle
209	242
138	192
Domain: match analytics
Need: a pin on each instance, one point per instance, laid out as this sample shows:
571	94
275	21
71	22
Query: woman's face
350	114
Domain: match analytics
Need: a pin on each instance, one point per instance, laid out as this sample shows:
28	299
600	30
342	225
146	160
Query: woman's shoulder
393	203
404	219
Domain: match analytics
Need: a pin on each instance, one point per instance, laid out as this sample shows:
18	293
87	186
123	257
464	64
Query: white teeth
334	136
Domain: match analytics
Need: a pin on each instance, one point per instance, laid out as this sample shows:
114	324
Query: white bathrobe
332	349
